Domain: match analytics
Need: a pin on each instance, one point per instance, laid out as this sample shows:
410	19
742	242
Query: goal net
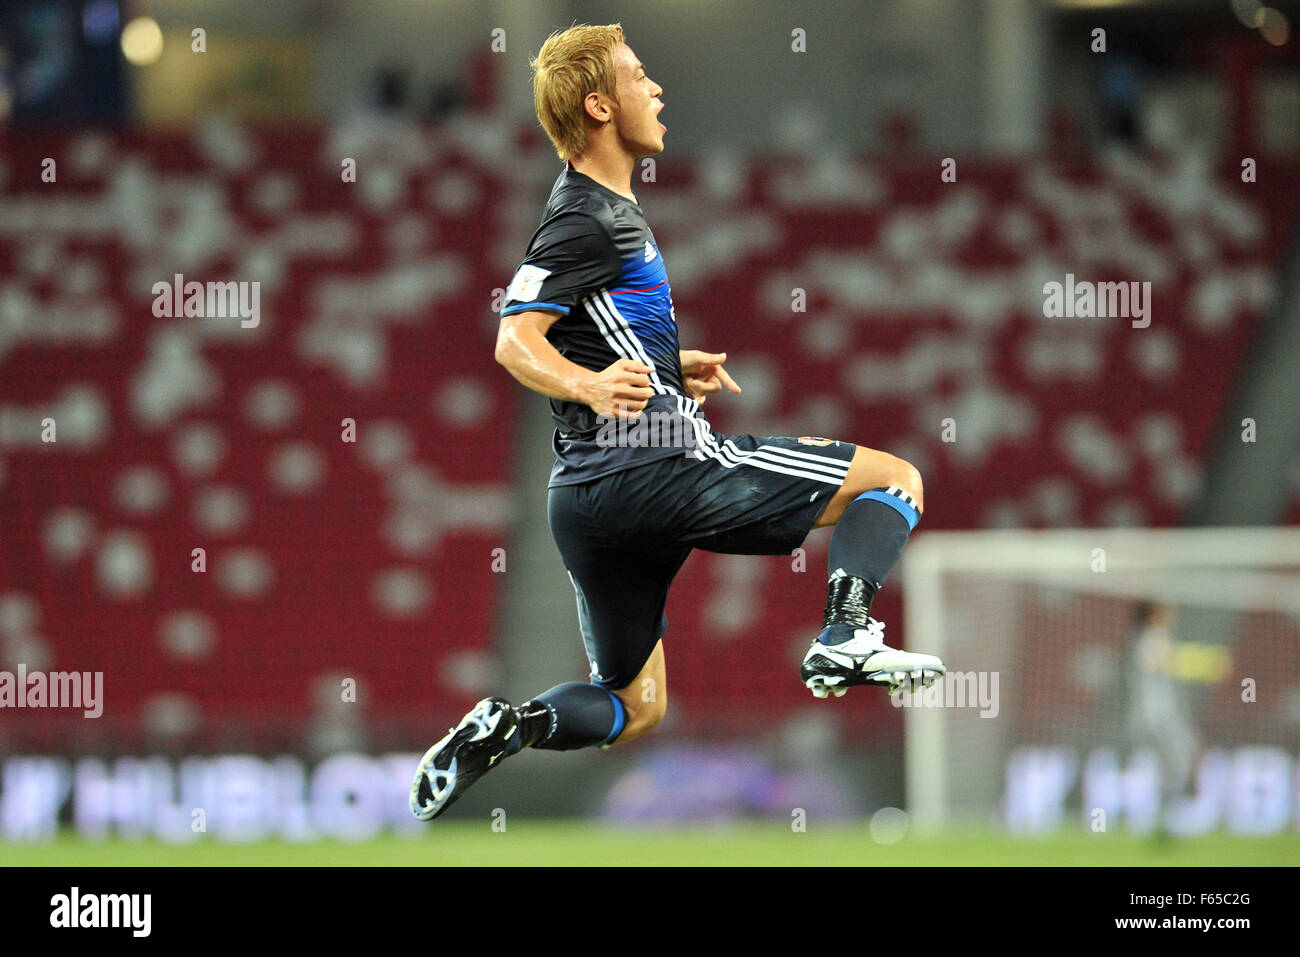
1109	679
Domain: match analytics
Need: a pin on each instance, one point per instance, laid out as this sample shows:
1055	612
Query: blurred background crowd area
807	231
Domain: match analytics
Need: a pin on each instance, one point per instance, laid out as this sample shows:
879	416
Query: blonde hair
571	64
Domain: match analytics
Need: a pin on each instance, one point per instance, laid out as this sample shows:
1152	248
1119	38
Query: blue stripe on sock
894	502
620	717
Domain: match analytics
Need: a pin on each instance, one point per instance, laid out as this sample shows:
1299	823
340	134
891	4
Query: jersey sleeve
569	258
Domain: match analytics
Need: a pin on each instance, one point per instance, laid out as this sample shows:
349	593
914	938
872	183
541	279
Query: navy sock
567	717
865	546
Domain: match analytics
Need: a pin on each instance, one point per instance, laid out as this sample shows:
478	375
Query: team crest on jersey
814	440
649	251
526	284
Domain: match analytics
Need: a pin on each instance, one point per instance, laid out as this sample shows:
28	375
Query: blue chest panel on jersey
643	297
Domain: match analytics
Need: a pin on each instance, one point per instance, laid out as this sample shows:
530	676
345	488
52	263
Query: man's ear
594	107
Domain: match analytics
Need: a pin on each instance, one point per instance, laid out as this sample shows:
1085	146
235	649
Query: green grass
534	842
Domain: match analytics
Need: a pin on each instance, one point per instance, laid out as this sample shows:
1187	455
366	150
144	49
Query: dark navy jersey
594	261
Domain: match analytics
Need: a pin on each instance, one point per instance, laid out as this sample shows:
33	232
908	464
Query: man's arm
621	390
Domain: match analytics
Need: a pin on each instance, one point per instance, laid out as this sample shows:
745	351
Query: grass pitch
551	843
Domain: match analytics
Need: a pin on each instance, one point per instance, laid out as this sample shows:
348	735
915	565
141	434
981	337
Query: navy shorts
625	536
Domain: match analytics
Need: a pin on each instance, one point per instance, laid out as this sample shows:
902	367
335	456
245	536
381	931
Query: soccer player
1157	717
588	321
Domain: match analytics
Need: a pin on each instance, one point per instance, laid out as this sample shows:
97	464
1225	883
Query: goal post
1105	678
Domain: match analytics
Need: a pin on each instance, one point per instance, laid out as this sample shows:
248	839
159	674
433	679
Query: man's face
637	112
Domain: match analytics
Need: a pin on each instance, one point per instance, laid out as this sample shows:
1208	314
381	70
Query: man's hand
702	374
622	390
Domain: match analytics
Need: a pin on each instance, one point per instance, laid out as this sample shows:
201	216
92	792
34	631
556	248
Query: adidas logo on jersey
649	251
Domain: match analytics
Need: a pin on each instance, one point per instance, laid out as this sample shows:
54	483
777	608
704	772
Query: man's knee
646	706
650	713
907	477
893	471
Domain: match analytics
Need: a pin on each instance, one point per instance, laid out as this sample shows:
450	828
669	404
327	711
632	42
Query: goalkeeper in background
1157	719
